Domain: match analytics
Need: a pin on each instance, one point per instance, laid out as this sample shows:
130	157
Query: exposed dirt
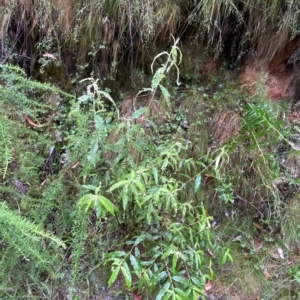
209	67
276	81
279	73
278	86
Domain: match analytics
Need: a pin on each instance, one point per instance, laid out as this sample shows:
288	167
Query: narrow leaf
125	199
181	280
118	184
167	253
155	175
160	277
174	262
116	254
139	112
168	296
140	185
163	291
197	183
127	275
114	275
89	187
134	264
166	94
182	295
108	204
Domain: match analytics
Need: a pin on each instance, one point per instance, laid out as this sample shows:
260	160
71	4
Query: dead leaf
258	246
258	226
75	165
208	286
50	55
237	238
222	118
165	224
135	296
280	252
266	273
227	215
275	255
207	176
30	121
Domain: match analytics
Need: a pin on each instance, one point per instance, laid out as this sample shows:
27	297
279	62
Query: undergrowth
152	202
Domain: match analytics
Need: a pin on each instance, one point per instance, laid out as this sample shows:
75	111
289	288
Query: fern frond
24	236
260	121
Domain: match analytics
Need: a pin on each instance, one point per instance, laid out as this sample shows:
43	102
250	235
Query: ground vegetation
128	172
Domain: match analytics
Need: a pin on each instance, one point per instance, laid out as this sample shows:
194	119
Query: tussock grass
97	36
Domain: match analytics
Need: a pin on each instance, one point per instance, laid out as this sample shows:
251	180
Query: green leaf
108	204
99	122
131	175
139	239
135	265
167	296
136	195
125	199
166	94
99	209
127	275
167	253
158	77
84	98
114	275
182	294
120	157
181	280
149	213
87	200
139	112
160	277
155	175
163	291
197	183
106	95
197	282
89	187
116	254
140	185
91	157
145	281
118	184
174	262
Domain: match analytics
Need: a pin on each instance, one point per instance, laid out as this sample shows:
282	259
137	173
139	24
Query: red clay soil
279	73
276	84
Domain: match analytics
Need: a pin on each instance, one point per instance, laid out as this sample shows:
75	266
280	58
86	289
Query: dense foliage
180	188
90	191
